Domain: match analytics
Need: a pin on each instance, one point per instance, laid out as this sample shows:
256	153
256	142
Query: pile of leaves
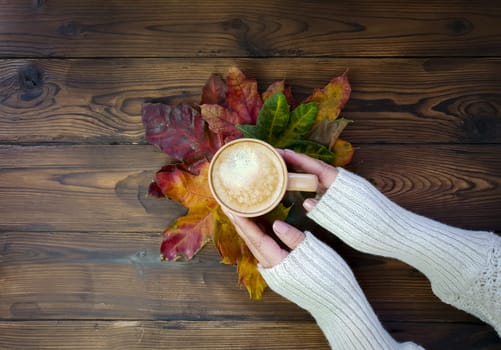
231	108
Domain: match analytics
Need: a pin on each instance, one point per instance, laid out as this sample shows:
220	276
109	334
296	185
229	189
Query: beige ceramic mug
249	177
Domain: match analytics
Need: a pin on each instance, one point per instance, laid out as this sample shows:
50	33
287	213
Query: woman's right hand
300	162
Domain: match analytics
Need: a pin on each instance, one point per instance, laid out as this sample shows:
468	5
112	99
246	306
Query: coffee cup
249	177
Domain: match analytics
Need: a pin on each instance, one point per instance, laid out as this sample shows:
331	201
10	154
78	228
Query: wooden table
79	238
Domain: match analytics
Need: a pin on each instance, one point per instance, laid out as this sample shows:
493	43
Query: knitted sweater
463	266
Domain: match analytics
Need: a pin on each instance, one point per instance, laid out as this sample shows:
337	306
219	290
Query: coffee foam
246	178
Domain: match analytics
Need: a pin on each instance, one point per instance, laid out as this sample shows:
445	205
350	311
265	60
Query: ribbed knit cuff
453	259
318	280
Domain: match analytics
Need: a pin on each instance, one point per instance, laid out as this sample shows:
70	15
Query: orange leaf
184	187
249	275
332	98
190	232
344	152
226	238
187	235
274	88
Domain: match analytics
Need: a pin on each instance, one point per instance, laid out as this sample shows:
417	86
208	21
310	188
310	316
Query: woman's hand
326	173
266	250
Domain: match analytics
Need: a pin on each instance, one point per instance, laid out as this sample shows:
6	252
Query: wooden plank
456	184
107	276
103	188
249	28
220	335
393	100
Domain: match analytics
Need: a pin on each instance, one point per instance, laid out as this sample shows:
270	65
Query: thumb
309	204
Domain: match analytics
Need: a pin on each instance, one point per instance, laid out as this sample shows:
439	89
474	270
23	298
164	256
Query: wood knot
30	78
235	23
71	29
38	3
460	26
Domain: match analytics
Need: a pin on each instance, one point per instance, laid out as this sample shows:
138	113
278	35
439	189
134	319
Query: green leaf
273	118
251	131
300	124
313	149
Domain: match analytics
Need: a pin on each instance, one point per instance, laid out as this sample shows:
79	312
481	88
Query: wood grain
393	100
103	188
117	275
255	29
181	335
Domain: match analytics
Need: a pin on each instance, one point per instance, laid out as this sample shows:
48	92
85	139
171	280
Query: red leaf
190	232
188	235
242	96
179	131
214	91
279	86
222	121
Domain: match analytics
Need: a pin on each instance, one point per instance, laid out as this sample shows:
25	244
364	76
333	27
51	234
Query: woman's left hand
266	250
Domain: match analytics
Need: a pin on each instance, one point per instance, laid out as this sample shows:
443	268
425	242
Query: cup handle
302	182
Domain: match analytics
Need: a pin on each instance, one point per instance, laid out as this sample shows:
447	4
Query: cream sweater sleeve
317	279
464	267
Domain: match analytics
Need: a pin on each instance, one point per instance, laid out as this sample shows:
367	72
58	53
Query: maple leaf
242	96
214	91
179	131
332	98
226	104
189	233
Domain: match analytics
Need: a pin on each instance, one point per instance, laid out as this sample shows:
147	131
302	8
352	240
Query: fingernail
309	204
280	227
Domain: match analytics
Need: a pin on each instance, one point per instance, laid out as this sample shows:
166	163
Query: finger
309	204
288	234
262	246
326	173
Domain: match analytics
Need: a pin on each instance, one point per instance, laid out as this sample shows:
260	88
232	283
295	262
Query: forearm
463	266
317	279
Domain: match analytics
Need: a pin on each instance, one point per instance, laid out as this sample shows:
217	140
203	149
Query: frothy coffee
247	177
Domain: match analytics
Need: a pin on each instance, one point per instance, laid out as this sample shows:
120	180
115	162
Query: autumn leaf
344	152
226	104
214	91
242	96
179	131
249	275
189	233
226	238
332	98
279	86
326	132
222	121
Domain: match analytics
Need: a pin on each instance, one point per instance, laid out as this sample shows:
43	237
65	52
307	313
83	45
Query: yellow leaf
332	98
344	152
